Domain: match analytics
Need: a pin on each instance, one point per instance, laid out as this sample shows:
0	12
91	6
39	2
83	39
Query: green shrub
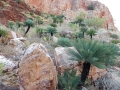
91	7
3	33
64	42
68	81
31	13
54	44
1	68
11	24
18	1
115	36
40	31
115	41
53	25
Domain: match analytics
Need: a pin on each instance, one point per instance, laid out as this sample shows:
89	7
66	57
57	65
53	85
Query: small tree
93	53
91	33
68	81
83	30
11	24
51	30
29	23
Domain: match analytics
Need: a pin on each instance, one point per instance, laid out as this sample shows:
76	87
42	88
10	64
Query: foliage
29	22
38	20
115	41
3	33
93	52
53	25
64	42
11	24
95	22
18	1
83	29
81	15
40	31
19	24
91	33
1	68
68	81
91	7
115	36
51	30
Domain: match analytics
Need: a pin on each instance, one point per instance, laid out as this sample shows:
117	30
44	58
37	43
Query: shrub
115	36
64	42
11	24
18	1
53	25
1	68
40	31
91	7
68	81
3	33
115	41
51	30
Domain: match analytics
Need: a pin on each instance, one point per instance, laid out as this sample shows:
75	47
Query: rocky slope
11	10
71	8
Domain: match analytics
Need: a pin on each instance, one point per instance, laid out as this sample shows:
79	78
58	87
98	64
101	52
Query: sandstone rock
36	69
63	62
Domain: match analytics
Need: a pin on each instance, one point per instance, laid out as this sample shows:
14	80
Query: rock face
36	69
63	62
71	8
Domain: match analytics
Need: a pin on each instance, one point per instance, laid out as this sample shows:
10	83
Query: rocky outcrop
36	69
71	8
63	62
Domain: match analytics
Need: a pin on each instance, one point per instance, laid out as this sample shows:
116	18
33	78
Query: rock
63	62
8	64
36	69
55	39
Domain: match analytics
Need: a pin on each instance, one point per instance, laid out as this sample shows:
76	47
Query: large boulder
63	62
37	70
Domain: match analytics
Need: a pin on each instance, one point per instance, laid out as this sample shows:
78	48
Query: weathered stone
63	62
36	69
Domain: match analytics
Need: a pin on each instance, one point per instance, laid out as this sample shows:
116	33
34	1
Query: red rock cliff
70	8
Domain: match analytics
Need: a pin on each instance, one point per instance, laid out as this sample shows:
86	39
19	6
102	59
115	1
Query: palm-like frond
94	52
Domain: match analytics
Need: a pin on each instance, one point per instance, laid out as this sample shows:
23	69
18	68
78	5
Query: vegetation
40	31
115	36
1	68
51	30
68	81
115	41
94	53
29	23
83	30
18	1
53	25
18	24
91	33
91	6
64	42
3	33
95	22
11	24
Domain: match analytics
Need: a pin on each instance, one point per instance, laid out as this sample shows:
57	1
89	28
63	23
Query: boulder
63	62
36	69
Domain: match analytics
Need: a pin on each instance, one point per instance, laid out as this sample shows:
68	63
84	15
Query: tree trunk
27	30
91	37
83	34
85	72
51	34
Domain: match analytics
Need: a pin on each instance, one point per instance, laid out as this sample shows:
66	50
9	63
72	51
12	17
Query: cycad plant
83	30
68	81
91	33
51	30
40	31
29	23
93	53
64	42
